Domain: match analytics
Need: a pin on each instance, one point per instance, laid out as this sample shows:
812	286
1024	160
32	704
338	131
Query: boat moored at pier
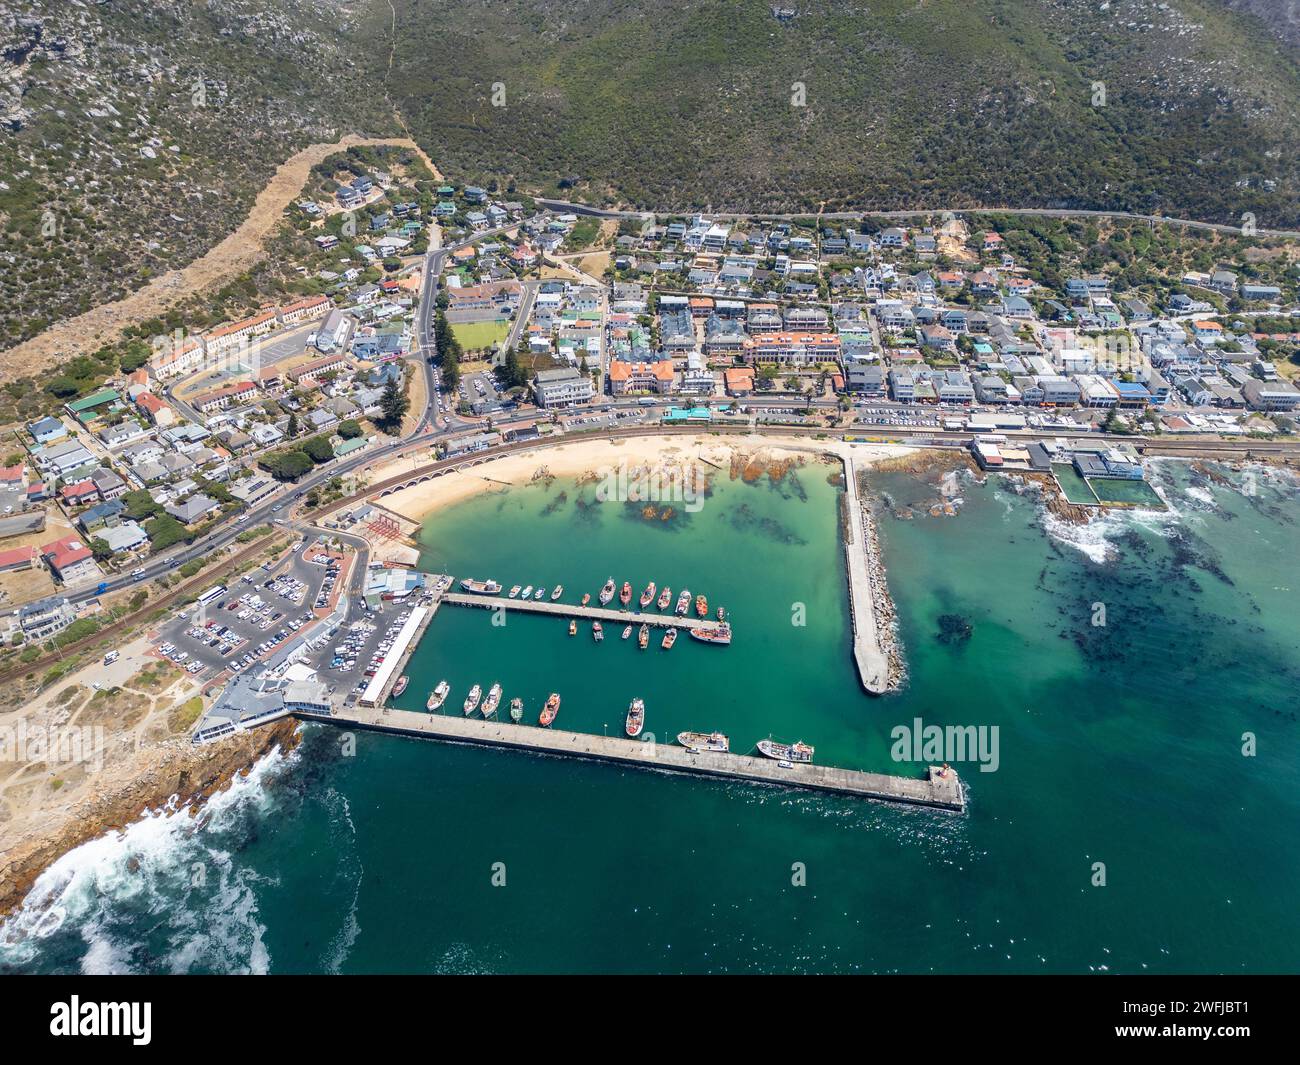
786	752
720	633
701	606
401	684
438	696
480	587
648	596
643	637
514	592
597	631
516	709
635	718
607	593
625	594
665	597
471	700
683	603
549	711
713	742
670	638
492	701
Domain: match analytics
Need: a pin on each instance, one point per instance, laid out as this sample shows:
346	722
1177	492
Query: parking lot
360	646
259	611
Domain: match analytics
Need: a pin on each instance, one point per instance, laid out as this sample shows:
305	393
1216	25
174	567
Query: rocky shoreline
156	775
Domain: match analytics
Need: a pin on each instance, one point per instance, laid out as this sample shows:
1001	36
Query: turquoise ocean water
1118	743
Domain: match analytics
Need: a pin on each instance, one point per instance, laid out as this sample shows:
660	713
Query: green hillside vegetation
686	104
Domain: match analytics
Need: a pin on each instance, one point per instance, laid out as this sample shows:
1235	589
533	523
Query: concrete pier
612	615
868	652
939	789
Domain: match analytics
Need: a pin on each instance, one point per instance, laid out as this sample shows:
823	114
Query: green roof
95	399
349	446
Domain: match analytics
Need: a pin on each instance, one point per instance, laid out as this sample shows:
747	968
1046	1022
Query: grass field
475	336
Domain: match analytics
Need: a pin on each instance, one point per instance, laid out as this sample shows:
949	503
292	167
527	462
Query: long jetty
939	789
573	610
868	651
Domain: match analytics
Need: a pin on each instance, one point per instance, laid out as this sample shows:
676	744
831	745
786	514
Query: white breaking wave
168	866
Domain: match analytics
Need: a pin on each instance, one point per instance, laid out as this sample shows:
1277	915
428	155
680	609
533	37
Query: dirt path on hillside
222	263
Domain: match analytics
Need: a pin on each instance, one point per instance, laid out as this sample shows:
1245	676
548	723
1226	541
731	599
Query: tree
100	549
163	531
349	429
319	449
291	430
393	404
286	465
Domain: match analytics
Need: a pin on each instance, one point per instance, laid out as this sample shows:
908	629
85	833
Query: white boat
559	591
471	700
786	752
492	701
514	592
438	696
527	592
607	593
704	741
627	632
480	587
540	593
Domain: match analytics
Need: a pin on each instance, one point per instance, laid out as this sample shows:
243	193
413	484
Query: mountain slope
942	103
134	134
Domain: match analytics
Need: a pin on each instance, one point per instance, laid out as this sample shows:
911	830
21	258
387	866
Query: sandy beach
593	457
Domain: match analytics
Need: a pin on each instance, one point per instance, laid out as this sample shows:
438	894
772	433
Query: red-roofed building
78	494
739	380
71	561
155	409
625	377
993	242
13	476
17	558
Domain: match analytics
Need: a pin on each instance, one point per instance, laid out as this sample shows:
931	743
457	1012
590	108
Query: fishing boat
597	631
471	700
704	741
540	593
586	598
635	718
722	614
607	593
527	592
643	637
627	631
670	638
549	711
683	603
720	633
701	606
401	684
480	587
665	597
573	626
438	696
559	591
492	701
516	709
514	592
625	594
786	752
648	596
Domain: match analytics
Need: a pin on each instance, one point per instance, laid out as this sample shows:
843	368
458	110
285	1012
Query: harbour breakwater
876	647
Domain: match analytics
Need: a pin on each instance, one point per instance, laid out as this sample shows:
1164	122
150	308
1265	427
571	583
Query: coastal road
564	206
